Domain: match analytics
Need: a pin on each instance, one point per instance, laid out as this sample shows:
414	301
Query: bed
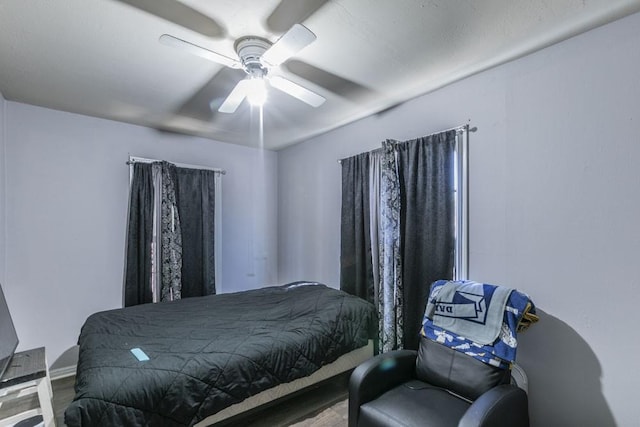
212	357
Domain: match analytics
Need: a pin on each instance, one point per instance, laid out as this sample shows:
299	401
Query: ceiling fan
257	56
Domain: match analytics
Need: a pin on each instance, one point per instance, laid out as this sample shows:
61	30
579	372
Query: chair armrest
377	375
503	406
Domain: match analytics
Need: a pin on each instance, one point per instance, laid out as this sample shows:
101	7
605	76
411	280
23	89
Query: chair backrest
457	372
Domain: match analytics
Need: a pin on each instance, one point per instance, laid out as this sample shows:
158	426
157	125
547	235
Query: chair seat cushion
414	403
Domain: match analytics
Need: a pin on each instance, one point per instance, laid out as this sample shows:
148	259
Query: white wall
554	209
66	210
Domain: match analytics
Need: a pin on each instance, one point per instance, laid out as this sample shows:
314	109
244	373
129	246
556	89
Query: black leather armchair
435	386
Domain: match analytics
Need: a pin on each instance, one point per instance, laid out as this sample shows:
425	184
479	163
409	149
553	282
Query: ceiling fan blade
293	41
297	91
235	98
172	41
204	103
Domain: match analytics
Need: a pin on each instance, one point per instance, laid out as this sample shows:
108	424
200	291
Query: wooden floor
322	406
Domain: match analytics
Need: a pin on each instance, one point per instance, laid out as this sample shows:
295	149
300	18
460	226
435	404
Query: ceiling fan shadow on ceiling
180	14
257	57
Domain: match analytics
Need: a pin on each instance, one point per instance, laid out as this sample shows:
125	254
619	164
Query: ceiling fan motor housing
250	50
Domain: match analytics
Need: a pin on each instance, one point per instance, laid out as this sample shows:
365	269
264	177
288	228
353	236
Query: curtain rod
133	160
458	129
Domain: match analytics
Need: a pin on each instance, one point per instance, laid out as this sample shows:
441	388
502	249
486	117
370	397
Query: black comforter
207	353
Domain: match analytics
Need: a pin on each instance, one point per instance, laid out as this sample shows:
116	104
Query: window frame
461	204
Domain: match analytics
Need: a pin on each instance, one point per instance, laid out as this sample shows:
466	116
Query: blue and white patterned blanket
500	353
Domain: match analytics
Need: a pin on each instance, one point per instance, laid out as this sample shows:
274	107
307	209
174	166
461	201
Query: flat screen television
8	336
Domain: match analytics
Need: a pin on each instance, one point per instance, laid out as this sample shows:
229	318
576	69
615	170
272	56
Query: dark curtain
137	287
425	168
356	275
196	204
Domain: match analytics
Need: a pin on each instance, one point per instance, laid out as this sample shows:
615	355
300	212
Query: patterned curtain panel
390	292
171	237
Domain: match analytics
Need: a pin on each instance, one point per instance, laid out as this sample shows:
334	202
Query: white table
27	374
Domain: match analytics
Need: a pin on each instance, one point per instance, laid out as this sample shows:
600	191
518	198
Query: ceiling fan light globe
257	92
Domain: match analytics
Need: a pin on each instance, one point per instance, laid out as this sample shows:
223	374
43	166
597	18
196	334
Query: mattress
208	353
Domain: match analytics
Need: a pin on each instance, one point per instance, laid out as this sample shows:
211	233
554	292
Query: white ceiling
102	57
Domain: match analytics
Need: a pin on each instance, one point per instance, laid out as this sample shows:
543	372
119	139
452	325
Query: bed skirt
343	364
